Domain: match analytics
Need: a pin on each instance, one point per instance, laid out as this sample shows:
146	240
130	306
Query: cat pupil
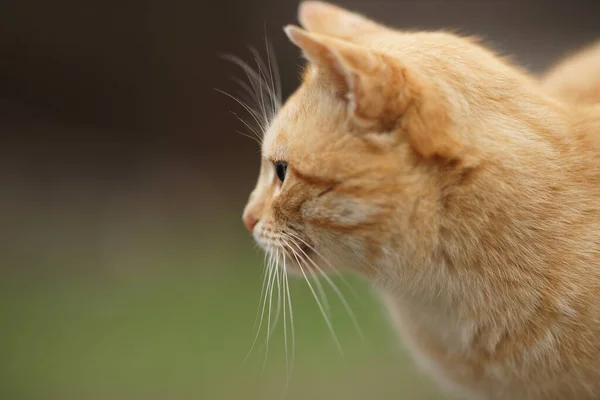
280	169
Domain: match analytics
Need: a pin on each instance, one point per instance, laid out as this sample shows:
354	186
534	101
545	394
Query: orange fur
576	78
459	187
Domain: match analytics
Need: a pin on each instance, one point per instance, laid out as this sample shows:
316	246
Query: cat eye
281	169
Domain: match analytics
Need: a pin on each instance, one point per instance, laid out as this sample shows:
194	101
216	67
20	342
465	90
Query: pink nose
250	221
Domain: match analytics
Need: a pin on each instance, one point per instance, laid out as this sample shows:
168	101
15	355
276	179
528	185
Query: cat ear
327	19
355	73
382	95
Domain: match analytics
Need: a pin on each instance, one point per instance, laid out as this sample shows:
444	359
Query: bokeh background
125	272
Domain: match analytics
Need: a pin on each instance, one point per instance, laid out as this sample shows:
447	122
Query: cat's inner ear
327	19
358	75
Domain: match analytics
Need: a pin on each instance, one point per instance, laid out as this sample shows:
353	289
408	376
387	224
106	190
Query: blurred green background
125	271
172	317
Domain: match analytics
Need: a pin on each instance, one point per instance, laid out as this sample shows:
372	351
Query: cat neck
505	241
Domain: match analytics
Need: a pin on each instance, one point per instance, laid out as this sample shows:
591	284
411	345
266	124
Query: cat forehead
311	110
273	147
278	135
276	138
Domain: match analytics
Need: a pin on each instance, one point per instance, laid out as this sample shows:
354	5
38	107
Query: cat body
454	182
577	77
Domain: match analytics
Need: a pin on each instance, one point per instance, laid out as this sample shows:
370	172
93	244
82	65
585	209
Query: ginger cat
576	78
451	180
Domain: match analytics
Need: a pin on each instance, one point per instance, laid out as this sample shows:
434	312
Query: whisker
278	279
252	75
247	90
291	314
278	273
325	317
273	325
277	75
262	82
253	113
271	87
285	338
268	276
264	88
257	135
249	137
263	277
268	82
337	271
322	293
269	317
337	291
274	104
257	84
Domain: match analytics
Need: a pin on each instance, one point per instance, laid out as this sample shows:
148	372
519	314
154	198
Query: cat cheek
340	212
284	209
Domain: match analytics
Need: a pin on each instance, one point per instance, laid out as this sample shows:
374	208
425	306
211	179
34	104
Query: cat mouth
295	256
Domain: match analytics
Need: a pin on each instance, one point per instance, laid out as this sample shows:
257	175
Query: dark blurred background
125	271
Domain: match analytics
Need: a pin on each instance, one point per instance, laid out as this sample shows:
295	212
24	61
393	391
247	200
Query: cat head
356	163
